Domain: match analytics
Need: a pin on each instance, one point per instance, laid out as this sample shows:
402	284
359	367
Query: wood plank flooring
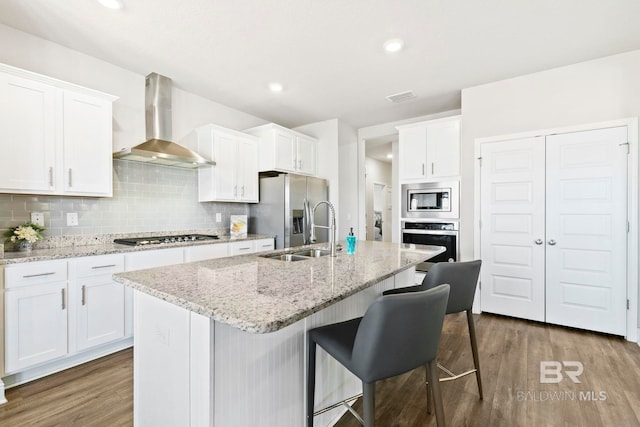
100	393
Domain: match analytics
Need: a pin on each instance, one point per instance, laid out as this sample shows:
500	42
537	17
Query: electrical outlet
72	219
37	218
218	217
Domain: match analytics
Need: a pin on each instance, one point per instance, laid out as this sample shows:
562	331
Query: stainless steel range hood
158	149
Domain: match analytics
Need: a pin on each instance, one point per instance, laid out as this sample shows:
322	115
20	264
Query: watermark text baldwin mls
554	372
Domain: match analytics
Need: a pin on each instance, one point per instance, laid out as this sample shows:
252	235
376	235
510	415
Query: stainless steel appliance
286	201
431	200
156	240
432	233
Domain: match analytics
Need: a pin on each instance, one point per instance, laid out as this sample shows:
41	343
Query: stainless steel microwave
431	200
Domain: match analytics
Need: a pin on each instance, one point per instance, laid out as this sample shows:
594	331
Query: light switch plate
72	219
37	218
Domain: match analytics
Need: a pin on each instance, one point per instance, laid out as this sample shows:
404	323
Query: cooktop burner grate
156	240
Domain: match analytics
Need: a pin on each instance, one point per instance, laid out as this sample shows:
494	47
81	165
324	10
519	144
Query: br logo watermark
565	372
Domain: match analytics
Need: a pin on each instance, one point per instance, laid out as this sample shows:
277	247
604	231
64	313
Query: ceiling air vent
402	96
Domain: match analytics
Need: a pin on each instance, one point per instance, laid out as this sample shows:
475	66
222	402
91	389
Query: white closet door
587	229
512	232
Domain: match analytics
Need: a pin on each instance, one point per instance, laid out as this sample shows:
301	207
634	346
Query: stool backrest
400	332
463	278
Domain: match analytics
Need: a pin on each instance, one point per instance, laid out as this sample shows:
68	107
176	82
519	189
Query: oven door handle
434	232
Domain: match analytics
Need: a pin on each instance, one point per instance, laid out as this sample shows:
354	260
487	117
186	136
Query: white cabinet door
87	145
586	239
443	149
512	180
36	325
413	153
27	135
285	150
247	170
306	155
100	316
226	185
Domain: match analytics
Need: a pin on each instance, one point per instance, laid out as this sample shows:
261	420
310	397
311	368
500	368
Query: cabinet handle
423	169
244	249
64	298
431	168
50	176
538	241
95	267
299	164
235	190
242	191
70	178
27	276
84	294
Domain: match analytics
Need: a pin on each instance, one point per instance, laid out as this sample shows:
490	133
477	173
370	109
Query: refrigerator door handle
304	222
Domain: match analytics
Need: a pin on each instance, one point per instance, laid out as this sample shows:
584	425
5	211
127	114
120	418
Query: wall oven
430	200
432	233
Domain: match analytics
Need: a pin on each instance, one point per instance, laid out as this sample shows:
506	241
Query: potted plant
24	236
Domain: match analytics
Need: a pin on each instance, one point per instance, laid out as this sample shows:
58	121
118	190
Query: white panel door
587	230
87	139
27	135
512	231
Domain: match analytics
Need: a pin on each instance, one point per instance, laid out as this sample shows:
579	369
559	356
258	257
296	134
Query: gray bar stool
398	333
463	279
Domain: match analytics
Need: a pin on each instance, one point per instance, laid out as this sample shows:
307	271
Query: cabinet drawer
264	245
33	273
97	265
243	247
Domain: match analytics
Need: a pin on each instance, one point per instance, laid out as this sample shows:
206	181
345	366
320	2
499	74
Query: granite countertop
260	295
107	248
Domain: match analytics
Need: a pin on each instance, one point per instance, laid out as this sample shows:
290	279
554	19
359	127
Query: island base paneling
221	376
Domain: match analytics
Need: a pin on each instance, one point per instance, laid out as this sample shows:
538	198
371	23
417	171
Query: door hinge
479	223
480	160
627	304
628	227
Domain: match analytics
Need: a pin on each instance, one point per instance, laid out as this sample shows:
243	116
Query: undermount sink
313	253
299	255
286	257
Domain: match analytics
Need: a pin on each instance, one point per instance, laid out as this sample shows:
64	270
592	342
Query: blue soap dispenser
351	243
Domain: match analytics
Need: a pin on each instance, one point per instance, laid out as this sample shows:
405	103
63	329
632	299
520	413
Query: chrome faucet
332	226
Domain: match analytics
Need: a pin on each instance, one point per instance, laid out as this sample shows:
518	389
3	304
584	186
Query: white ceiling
328	53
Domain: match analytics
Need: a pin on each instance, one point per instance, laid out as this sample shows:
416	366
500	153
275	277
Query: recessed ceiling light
275	87
390	156
393	45
112	4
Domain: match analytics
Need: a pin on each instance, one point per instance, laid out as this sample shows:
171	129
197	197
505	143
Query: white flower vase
25	246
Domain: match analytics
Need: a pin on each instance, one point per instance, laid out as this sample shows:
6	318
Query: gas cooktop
156	240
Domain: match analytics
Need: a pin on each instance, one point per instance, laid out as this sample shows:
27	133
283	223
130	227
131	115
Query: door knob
539	241
551	242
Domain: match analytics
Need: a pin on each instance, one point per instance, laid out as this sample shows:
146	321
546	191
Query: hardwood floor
100	393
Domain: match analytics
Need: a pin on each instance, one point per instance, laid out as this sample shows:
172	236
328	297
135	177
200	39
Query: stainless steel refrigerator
286	202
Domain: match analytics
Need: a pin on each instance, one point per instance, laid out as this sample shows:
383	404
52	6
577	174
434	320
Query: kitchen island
222	342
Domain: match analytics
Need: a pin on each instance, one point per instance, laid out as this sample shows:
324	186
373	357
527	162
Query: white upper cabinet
234	178
430	150
59	136
285	150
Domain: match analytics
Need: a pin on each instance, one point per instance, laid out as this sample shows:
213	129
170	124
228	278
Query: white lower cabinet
36	325
263	245
202	252
98	299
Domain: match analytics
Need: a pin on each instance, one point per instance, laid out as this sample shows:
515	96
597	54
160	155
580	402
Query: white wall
348	170
588	92
31	53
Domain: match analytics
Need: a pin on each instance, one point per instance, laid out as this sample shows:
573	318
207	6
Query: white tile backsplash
146	198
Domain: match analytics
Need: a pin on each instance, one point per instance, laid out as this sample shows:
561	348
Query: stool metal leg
369	403
474	350
428	385
437	397
311	380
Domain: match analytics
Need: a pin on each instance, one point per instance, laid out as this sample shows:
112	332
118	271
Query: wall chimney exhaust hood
158	149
